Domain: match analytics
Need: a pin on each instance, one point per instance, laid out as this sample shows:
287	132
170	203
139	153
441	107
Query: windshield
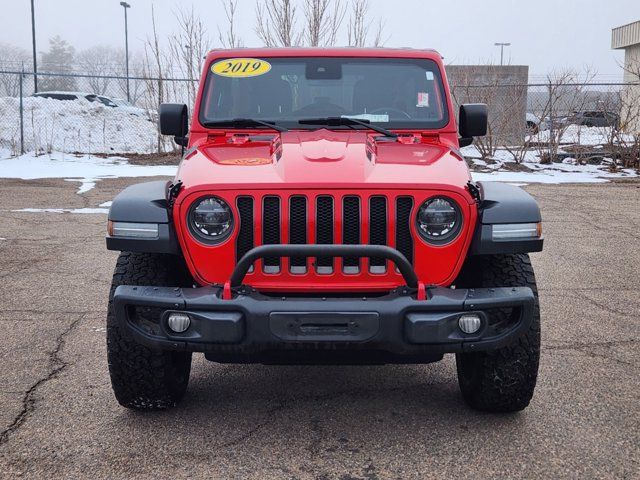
389	92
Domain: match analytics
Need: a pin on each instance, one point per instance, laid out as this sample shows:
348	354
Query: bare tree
277	23
379	38
230	38
154	71
136	69
187	49
323	21
565	95
100	61
358	27
507	103
335	22
12	58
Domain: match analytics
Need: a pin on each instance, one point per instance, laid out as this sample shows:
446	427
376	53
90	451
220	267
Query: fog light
178	322
470	323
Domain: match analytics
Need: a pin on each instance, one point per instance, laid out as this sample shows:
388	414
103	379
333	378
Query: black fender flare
501	203
144	203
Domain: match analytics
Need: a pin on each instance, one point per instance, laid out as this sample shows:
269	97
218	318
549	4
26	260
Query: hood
322	159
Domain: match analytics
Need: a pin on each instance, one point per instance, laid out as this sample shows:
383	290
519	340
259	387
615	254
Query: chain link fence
89	114
561	119
77	113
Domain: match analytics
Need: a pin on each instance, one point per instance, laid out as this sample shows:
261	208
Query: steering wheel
387	110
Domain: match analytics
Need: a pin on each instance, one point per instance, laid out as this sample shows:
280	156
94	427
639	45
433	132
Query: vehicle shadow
320	406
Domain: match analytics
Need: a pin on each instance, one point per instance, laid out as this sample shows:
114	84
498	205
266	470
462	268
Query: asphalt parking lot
59	418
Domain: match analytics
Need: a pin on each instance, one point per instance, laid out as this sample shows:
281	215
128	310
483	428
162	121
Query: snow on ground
63	210
74	126
552	173
579	135
77	168
543	176
569	171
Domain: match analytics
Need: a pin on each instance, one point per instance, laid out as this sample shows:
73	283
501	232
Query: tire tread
143	378
501	380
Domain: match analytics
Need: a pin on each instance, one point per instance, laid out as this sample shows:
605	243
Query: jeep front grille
325	220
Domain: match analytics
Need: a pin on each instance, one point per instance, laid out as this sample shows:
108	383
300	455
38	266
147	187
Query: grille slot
377	231
351	230
404	242
271	231
298	231
244	243
324	231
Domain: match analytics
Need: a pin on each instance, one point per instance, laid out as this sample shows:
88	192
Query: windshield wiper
244	123
346	121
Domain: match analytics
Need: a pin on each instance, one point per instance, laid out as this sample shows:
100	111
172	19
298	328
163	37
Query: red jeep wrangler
322	213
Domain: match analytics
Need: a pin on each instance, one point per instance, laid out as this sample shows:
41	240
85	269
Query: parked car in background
92	97
55	95
594	119
128	107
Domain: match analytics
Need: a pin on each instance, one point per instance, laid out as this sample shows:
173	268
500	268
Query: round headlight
211	219
439	220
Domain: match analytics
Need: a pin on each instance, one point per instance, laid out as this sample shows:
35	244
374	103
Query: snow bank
80	168
74	126
579	135
569	171
582	174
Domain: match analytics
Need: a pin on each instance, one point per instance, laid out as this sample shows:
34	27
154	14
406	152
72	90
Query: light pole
33	41
125	5
502	45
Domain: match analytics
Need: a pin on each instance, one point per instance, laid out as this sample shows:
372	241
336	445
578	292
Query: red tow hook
226	291
422	292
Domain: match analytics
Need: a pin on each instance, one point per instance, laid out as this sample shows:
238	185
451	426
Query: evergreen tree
58	59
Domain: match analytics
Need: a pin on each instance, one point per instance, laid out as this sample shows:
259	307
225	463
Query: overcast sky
545	34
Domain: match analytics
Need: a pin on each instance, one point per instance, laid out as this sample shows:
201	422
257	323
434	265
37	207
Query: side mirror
174	120
472	122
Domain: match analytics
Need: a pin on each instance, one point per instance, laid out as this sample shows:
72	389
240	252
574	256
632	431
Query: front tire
501	380
143	378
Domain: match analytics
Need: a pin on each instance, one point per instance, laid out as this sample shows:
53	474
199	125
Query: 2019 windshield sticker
241	67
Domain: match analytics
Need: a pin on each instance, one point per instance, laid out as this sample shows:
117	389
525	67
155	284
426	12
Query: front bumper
395	328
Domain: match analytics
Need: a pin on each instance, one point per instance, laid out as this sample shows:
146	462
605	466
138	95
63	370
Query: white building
627	37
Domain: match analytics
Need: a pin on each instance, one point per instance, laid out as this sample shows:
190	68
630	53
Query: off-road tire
143	378
501	380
